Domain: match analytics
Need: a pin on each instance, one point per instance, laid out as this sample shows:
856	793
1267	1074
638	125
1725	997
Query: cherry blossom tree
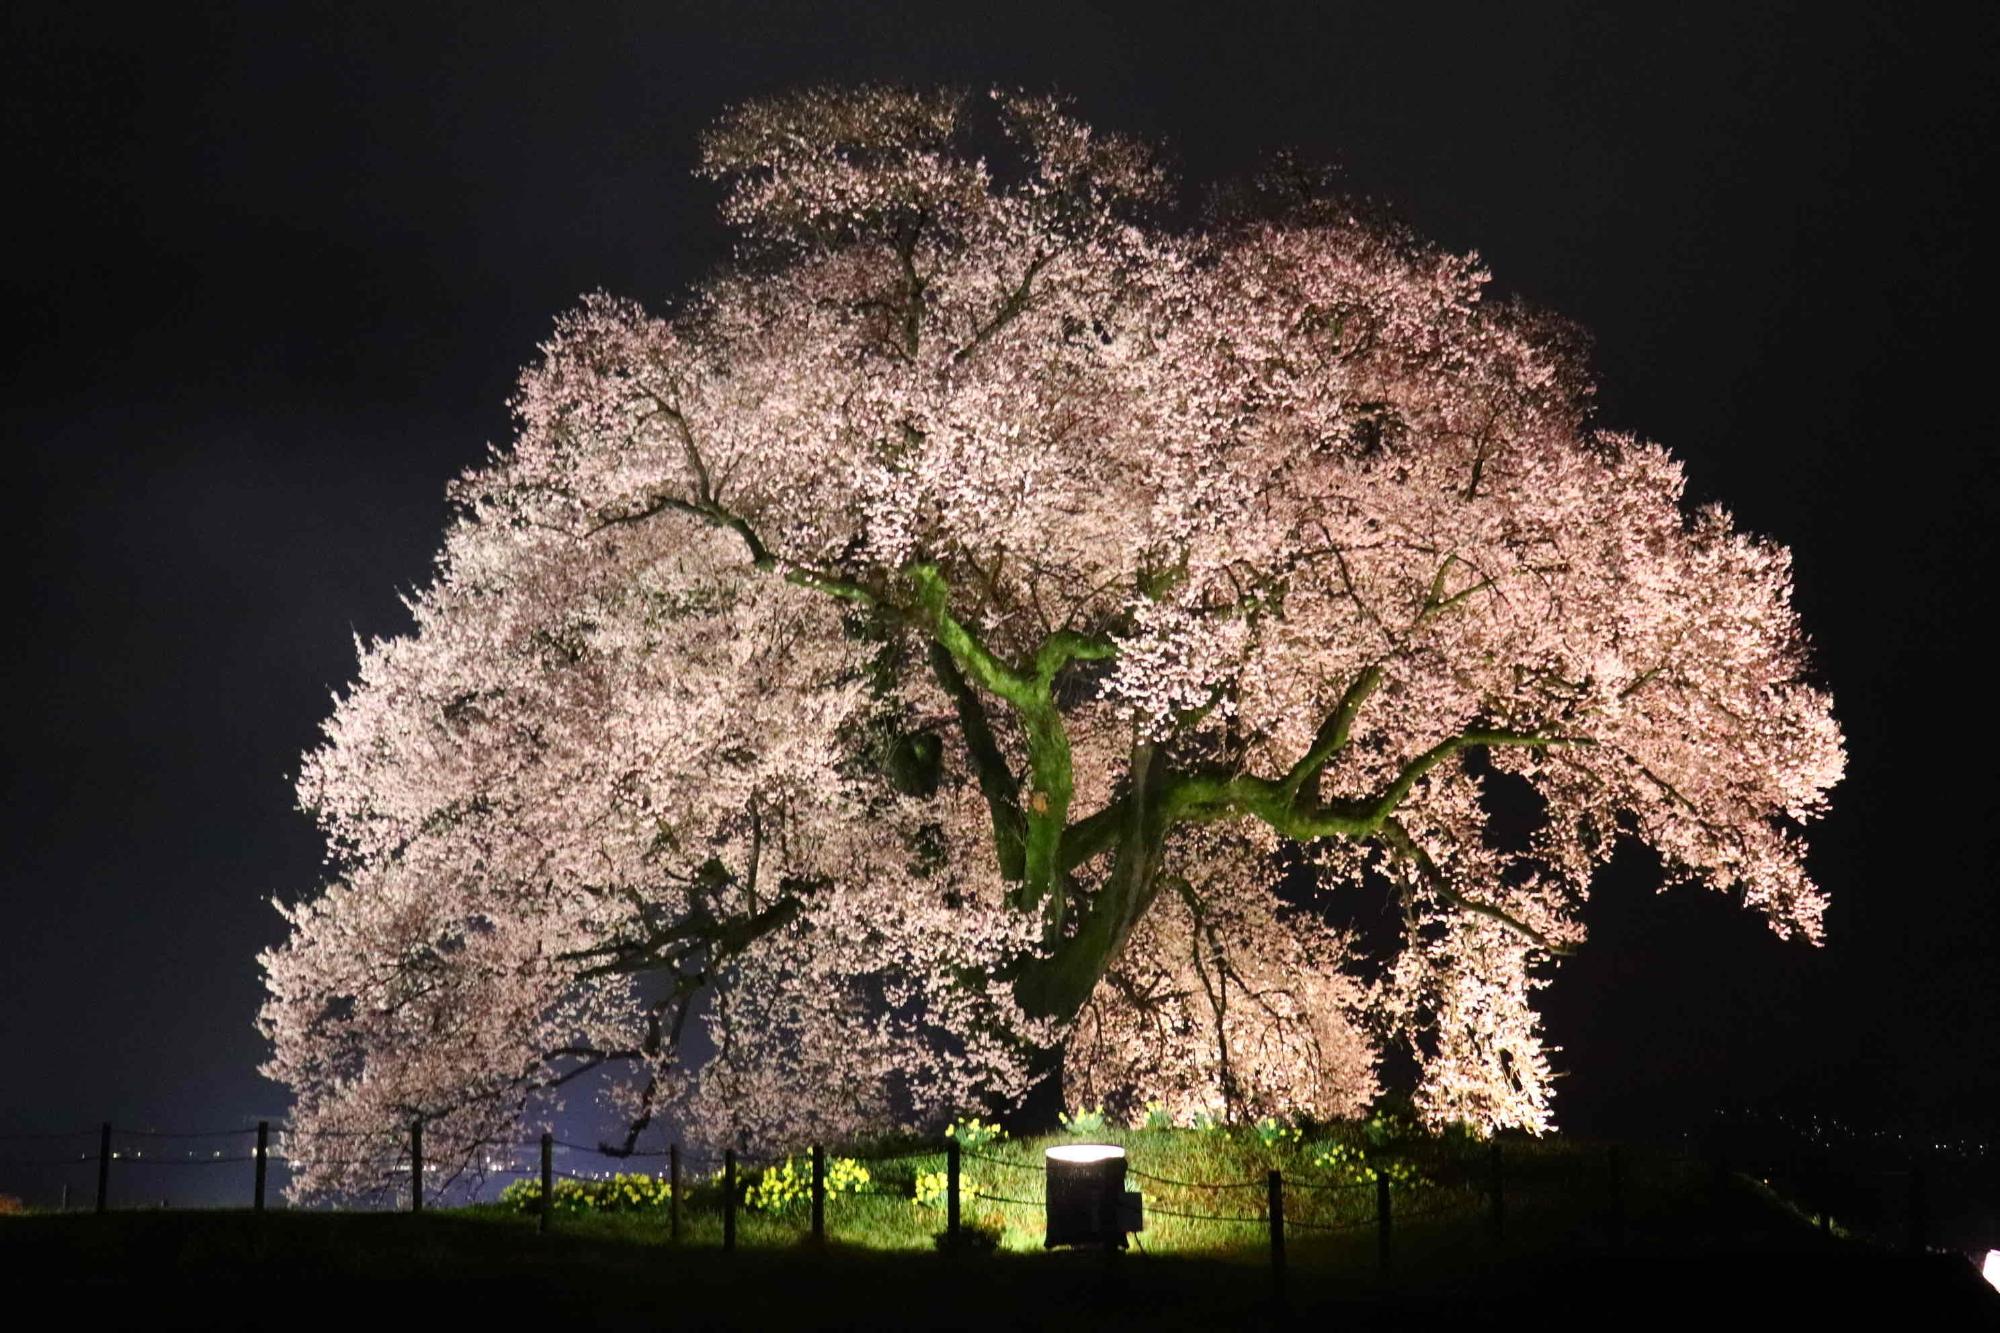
979	635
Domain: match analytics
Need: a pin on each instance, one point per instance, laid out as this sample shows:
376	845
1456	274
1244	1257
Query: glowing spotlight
1086	1200
1991	1270
1084	1152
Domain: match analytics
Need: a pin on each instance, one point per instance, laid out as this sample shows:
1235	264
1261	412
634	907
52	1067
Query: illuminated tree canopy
922	657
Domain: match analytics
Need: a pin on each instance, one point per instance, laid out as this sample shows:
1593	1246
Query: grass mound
1205	1191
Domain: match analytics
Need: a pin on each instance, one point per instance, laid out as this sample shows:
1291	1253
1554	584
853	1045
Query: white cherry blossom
929	649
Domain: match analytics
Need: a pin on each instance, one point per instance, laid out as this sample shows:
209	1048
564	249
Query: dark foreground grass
1684	1252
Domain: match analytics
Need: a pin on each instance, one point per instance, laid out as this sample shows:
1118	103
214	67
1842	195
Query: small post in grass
263	1153
1719	1186
674	1192
729	1200
417	1165
1382	1221
951	1193
1617	1181
1919	1219
104	1166
1276	1186
548	1180
1499	1188
819	1195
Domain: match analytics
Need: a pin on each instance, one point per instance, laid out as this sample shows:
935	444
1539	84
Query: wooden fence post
1382	1221
1919	1218
1617	1181
104	1167
728	1200
819	1195
417	1165
674	1192
548	1180
951	1193
1719	1175
1499	1188
1276	1210
263	1154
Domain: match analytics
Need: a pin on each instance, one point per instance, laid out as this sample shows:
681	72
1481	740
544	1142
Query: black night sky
272	270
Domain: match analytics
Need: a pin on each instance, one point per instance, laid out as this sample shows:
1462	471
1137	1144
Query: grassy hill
1675	1246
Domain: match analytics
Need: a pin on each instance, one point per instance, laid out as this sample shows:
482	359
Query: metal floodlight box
1131	1212
1088	1203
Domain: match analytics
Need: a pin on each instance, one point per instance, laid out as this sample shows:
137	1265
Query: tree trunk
1060	985
1039	1111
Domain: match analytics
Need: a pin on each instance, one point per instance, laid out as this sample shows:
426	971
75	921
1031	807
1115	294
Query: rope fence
401	1171
906	1154
1258	1218
1000	1161
1001	1198
1196	1184
1319	1186
1355	1225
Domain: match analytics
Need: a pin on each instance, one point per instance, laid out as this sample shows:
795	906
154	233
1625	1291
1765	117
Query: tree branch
1066	646
996	778
1010	309
761	556
1061	981
1394	836
1046	805
1209	795
1094	833
1333	732
913	287
725	937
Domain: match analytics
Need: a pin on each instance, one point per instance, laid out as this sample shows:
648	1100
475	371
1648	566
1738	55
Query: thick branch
1045	807
1333	732
1378	809
996	778
1209	795
986	670
1135	825
1066	646
1093	834
1437	599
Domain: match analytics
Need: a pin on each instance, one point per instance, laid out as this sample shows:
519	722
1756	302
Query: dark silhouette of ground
1741	1263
